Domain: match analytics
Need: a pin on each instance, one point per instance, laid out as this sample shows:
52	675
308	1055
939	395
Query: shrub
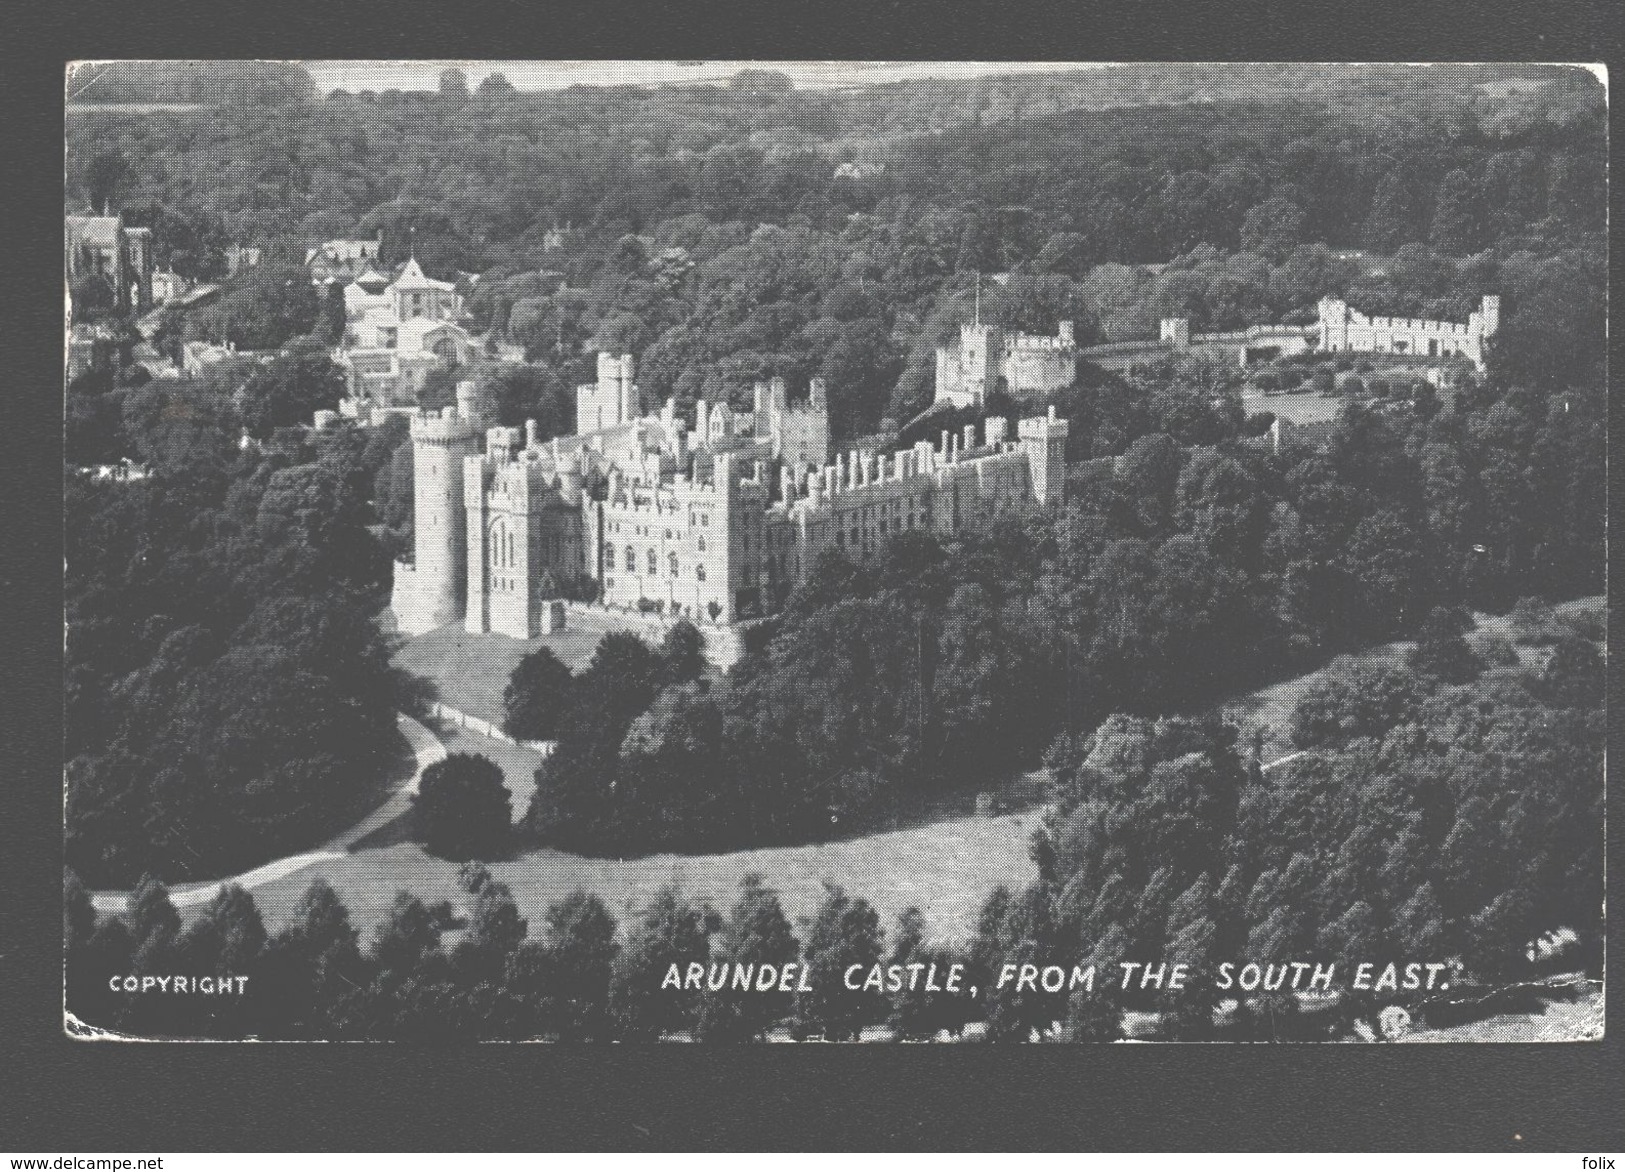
1352	386
1586	623
463	808
1343	362
1378	388
1497	651
1534	622
1355	700
1364	366
1324	382
537	691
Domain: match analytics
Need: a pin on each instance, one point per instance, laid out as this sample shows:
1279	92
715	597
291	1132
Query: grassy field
1305	408
471	671
946	869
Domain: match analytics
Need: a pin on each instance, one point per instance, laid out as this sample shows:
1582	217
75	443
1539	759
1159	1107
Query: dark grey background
60	1097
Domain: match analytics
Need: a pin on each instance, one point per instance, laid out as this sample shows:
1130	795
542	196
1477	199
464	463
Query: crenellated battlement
1028	364
1342	328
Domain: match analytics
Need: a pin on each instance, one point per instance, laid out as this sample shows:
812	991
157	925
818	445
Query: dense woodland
230	698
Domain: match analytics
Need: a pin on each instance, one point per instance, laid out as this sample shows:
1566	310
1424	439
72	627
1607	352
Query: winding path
426	749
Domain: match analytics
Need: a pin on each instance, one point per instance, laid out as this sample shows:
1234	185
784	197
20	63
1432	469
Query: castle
1030	364
1342	328
715	523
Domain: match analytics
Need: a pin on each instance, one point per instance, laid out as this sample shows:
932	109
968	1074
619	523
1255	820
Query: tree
538	690
669	932
846	932
288	391
1458	217
1398	211
453	84
683	650
1441	652
918	1013
462	807
315	965
104	174
264	307
495	932
581	951
1273	228
495	86
757	933
512	395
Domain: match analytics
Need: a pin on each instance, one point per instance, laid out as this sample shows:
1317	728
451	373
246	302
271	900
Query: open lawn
470	671
945	869
1305	408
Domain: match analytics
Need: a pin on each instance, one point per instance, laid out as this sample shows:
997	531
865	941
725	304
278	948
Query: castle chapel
713	522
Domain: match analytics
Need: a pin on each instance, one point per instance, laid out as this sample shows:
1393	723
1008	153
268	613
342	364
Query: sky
538	75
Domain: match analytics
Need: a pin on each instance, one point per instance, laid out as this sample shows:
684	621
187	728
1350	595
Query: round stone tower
429	593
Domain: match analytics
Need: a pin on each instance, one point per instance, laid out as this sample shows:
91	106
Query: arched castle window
631	561
654	564
699	572
672	562
702	544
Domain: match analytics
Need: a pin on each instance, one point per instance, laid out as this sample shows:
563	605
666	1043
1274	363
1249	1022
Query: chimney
970	438
532	435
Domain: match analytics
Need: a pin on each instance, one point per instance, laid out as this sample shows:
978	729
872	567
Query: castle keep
714	522
1030	364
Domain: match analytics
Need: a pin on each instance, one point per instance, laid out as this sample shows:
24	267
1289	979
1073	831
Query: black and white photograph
748	551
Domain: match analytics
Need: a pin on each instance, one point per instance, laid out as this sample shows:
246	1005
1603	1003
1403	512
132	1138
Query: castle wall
1345	329
675	545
